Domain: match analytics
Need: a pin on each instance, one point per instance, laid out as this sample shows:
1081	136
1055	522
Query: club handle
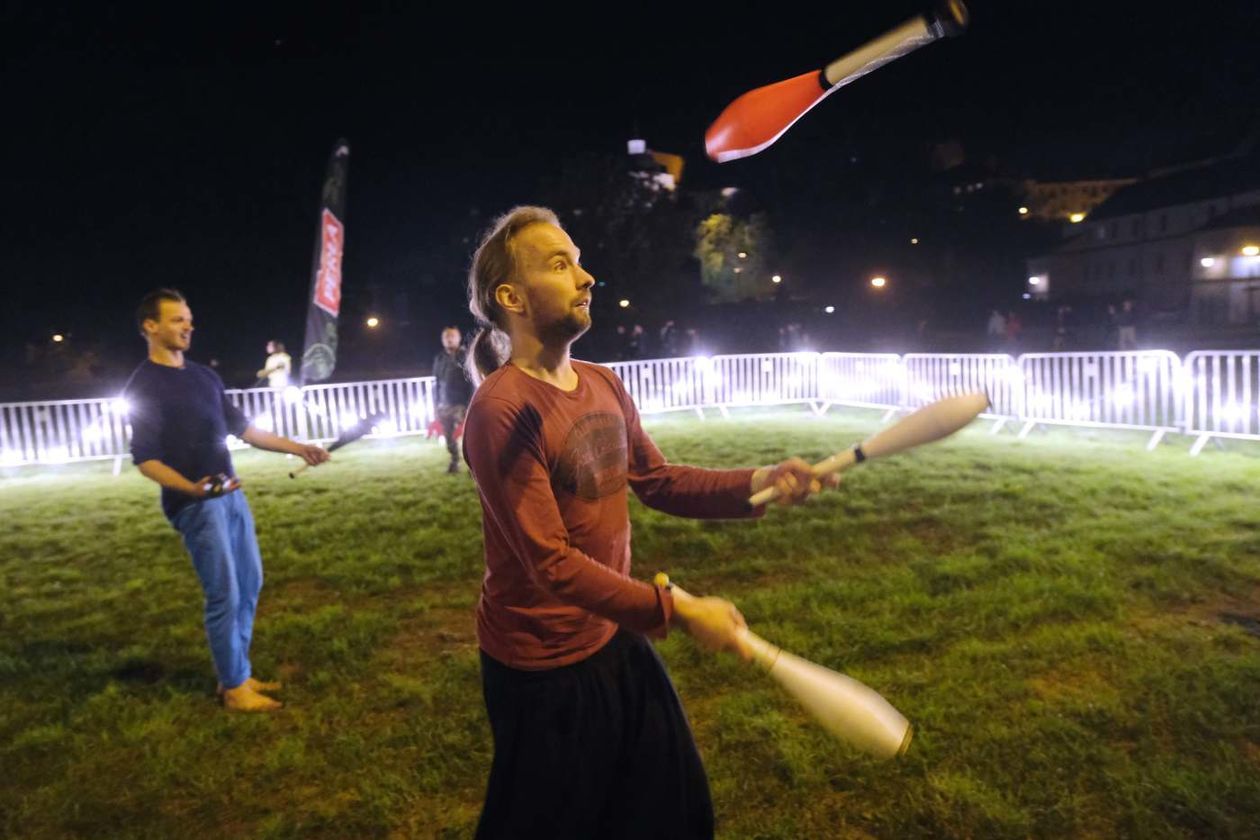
827	466
298	471
847	708
764	653
890	46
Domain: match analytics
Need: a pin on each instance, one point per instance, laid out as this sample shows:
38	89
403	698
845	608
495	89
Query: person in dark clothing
180	419
590	738
1126	326
1063	327
454	390
668	341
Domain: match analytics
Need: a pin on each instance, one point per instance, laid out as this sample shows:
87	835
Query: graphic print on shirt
593	462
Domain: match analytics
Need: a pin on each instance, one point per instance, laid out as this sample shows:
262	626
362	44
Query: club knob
949	18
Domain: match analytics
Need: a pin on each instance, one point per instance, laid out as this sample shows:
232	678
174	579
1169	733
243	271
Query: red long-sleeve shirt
552	468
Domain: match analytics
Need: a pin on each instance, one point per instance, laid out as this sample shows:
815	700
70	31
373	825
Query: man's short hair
279	345
150	308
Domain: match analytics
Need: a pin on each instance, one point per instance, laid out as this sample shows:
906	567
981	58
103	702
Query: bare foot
256	685
245	699
263	685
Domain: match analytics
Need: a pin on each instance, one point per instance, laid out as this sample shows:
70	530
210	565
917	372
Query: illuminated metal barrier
869	380
84	430
765	379
666	384
1222	388
1128	390
1214	394
320	412
62	431
934	376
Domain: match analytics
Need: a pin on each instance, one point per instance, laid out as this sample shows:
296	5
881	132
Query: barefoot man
180	420
590	739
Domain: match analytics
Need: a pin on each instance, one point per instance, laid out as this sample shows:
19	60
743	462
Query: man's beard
567	329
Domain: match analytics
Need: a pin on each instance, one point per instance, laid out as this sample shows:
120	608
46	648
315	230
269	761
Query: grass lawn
1072	625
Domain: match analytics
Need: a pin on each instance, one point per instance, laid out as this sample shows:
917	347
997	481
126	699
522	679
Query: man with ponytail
590	737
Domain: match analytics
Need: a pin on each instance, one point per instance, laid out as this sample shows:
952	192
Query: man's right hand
203	488
715	623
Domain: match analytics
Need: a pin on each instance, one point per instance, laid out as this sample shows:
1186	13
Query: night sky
171	147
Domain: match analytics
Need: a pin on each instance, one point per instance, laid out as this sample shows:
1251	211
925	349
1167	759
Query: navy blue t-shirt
181	417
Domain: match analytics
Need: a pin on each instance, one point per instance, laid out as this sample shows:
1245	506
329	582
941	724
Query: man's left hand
794	479
313	455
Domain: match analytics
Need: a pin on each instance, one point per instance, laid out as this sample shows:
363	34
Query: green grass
1067	620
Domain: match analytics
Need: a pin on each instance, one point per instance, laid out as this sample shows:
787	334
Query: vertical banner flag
319	356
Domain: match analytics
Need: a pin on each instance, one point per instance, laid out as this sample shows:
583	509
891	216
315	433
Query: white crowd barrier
865	380
930	377
1222	389
1129	390
320	412
1208	395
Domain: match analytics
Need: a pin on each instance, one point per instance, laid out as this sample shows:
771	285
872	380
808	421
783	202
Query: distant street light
776	279
878	282
914	240
623	303
373	322
743	255
829	309
1076	218
1250	250
58	338
1023	211
1034	281
1207	262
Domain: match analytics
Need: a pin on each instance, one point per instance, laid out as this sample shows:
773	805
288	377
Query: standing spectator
623	343
669	340
1062	327
454	390
1014	326
997	327
1126	326
278	366
691	342
634	346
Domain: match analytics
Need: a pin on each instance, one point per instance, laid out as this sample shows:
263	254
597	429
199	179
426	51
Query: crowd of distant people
670	341
1004	329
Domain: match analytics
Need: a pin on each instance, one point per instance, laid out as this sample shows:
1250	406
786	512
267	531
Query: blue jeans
219	534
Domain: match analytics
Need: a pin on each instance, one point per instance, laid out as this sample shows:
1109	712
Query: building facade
1186	242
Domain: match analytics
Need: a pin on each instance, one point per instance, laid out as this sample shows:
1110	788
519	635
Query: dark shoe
453	468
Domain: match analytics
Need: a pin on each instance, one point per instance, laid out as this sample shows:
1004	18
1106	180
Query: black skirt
597	749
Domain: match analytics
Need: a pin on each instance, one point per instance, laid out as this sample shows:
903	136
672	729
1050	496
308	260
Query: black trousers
599	749
451	416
